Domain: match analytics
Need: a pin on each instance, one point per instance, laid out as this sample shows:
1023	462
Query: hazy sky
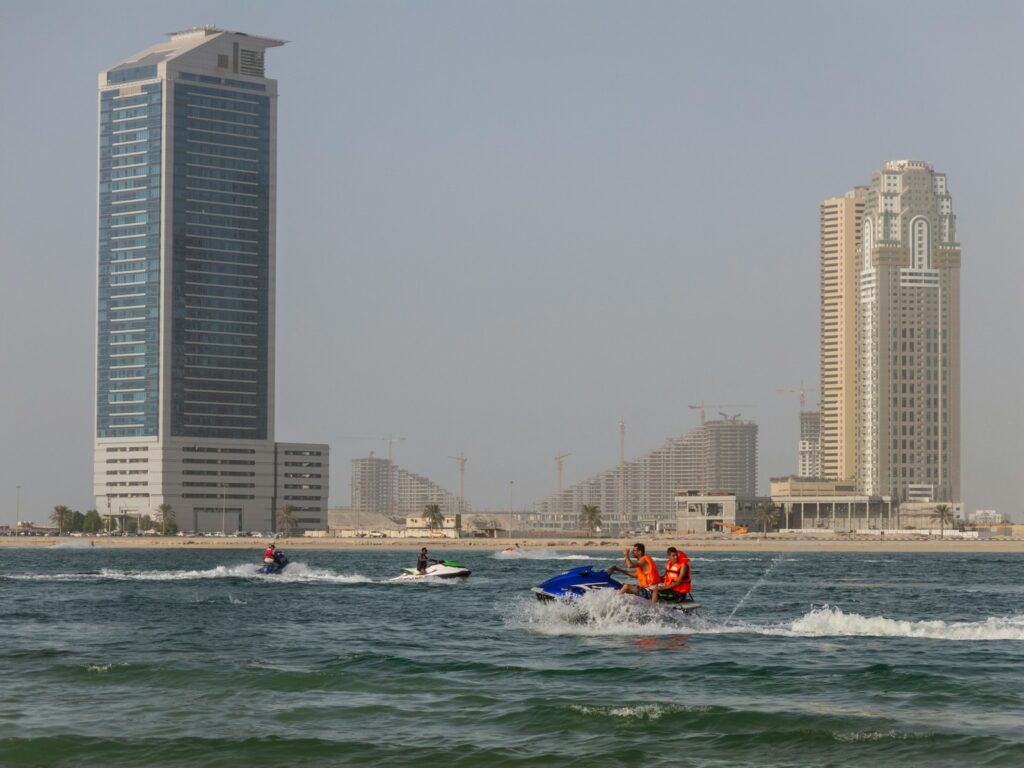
502	227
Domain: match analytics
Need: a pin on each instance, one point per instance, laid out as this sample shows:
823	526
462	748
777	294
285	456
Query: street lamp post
223	510
17	512
510	485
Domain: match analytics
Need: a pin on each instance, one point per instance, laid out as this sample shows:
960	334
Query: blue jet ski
279	564
575	583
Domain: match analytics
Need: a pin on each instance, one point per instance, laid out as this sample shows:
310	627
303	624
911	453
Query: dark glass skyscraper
186	262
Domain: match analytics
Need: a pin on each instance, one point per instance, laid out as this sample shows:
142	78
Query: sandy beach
748	543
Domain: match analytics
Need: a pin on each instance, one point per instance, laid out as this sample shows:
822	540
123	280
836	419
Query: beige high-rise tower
890	336
908	413
840	240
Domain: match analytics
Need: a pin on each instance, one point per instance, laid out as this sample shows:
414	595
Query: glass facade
220	262
128	74
128	337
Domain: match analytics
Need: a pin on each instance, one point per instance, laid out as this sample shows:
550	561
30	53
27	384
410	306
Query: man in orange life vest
642	568
676	586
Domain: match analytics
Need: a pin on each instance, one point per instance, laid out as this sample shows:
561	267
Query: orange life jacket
642	577
672	571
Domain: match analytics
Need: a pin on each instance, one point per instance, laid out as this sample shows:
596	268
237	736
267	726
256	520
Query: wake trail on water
829	621
294	573
537	554
605	614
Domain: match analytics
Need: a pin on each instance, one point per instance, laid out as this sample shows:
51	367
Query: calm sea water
174	658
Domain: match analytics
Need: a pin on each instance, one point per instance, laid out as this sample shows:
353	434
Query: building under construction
715	456
381	487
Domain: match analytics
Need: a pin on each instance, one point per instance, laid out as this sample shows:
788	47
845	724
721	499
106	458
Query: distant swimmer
641	567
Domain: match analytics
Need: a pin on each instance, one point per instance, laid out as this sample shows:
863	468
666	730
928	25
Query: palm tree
92	522
166	516
767	514
61	517
590	516
432	514
944	515
286	519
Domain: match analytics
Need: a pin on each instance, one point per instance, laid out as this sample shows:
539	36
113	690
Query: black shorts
644	592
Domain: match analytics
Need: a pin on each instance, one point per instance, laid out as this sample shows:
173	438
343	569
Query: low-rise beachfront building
817	504
451	527
346	522
718	511
986	517
921	514
303	483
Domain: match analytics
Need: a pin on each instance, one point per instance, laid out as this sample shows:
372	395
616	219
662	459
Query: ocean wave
827	620
641	711
890	735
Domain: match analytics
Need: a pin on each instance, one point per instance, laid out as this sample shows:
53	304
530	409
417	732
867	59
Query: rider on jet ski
422	560
643	569
677	584
271	555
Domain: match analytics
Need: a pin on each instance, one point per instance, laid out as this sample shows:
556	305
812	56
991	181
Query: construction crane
802	392
390	439
702	405
461	458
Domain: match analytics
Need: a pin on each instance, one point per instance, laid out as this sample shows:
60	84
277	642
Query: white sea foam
600	613
294	573
860	736
605	613
828	621
638	711
300	572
